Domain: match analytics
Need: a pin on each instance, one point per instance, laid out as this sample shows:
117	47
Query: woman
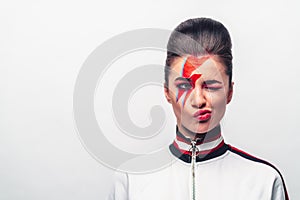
198	85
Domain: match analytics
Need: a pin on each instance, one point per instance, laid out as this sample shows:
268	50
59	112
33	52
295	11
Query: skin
208	90
189	65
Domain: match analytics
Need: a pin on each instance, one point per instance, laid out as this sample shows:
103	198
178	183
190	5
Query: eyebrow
208	82
182	79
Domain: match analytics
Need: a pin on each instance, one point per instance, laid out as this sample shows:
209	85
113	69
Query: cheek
177	111
177	108
217	100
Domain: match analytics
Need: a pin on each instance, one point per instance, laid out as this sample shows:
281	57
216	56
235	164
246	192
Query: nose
198	99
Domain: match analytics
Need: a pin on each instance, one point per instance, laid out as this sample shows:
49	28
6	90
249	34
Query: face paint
188	67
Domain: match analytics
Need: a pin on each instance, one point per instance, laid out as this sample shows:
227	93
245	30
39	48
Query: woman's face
199	92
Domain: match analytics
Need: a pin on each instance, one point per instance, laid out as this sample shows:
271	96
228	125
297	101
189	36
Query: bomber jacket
215	171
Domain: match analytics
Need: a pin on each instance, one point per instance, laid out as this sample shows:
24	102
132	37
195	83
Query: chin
203	127
202	130
198	128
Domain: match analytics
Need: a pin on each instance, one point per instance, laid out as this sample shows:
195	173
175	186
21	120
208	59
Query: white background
44	43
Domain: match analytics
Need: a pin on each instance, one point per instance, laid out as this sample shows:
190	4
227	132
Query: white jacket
221	172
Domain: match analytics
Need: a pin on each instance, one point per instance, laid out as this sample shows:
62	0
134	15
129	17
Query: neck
209	145
188	136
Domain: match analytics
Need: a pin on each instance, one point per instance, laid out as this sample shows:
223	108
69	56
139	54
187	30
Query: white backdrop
44	43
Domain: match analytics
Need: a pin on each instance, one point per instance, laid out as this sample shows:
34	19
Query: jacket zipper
194	151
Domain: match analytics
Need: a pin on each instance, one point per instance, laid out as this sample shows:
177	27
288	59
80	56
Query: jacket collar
211	145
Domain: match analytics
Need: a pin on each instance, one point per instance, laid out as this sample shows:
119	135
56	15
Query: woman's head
198	37
198	74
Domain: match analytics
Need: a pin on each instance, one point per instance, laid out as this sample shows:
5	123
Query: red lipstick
202	115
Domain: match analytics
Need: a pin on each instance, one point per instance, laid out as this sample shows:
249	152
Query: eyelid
212	88
212	85
205	86
183	81
187	81
210	82
184	86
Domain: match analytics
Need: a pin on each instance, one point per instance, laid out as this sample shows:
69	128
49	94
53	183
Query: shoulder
250	160
259	168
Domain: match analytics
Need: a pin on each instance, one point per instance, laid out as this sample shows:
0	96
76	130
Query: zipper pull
194	150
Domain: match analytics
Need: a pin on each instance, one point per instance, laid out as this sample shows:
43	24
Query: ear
230	93
167	93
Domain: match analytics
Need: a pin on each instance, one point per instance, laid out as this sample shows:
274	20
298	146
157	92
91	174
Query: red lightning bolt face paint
190	64
198	91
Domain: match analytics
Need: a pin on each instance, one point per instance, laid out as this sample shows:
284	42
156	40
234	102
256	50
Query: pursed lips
202	115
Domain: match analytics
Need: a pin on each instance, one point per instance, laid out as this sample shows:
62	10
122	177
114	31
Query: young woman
198	85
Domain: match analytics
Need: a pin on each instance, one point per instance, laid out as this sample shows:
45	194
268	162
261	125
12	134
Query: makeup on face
186	81
198	93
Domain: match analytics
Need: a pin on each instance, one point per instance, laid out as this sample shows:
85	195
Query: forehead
207	66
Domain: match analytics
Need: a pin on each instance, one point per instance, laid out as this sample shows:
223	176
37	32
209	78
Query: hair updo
198	37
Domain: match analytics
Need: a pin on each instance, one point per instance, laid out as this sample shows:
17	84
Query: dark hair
200	36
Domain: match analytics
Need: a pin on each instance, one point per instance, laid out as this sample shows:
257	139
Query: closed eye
210	82
212	88
212	85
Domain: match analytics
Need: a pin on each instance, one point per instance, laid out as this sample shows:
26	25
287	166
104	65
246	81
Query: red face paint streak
180	93
193	79
186	97
191	64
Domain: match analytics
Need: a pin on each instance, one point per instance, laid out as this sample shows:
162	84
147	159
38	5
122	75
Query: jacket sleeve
119	190
279	191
